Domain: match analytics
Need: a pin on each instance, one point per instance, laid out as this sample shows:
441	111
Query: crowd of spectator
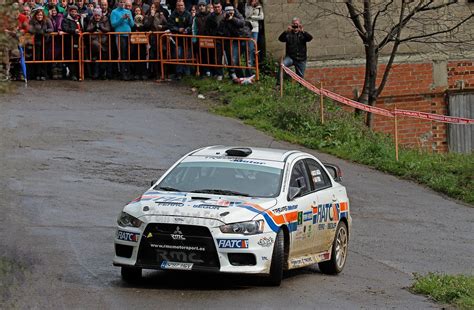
227	18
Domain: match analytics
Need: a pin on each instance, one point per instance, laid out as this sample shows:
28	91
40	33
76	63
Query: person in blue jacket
121	20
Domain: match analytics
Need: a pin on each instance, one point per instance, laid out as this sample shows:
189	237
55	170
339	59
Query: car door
299	229
326	208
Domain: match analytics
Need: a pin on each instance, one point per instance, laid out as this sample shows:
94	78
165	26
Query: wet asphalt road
72	155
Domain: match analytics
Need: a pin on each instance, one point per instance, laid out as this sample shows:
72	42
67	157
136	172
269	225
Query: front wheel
278	257
338	253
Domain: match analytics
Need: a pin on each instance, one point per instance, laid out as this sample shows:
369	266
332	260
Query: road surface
73	154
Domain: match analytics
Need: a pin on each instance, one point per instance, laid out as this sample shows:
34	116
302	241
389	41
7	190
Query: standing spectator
155	21
62	7
122	21
210	8
295	53
143	6
253	14
56	21
82	8
104	5
41	26
180	23
231	26
72	24
212	25
50	3
99	43
199	28
24	19
139	50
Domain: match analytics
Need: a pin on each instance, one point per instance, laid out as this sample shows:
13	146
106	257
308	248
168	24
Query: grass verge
456	290
295	118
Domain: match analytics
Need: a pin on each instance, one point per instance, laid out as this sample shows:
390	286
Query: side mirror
335	171
293	192
153	182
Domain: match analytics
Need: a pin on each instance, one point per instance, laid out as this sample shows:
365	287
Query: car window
214	177
299	178
319	177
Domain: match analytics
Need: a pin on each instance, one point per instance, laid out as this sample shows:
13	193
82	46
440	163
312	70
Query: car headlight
246	228
126	220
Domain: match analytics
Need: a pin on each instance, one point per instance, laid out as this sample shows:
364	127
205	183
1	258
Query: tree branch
437	32
388	67
354	16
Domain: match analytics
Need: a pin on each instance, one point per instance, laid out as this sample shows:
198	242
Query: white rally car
237	210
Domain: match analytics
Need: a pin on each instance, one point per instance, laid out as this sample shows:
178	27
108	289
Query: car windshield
255	179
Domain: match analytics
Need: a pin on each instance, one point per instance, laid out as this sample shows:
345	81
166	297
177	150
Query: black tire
278	259
338	252
131	274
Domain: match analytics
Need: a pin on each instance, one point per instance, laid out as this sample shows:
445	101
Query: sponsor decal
207	206
264	258
321	226
284	209
127	236
150	235
298	262
176	265
177	234
233	243
179	256
178	247
265	242
308	216
332	225
300	217
170	199
246	161
169	204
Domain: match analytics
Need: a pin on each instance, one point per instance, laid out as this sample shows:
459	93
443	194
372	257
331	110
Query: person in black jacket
180	22
296	53
73	24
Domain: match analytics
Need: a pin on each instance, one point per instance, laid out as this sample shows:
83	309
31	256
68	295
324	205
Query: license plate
176	265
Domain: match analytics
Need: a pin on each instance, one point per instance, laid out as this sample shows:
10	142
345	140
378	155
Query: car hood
222	208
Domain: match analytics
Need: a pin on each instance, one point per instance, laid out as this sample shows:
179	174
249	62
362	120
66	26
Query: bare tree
383	26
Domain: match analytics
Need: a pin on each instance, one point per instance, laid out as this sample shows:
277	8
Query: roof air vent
239	152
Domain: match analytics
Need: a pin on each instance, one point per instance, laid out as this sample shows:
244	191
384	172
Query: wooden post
281	77
396	133
321	103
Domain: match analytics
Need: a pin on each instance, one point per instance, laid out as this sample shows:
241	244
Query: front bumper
192	247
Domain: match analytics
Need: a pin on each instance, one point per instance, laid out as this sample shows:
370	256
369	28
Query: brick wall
411	86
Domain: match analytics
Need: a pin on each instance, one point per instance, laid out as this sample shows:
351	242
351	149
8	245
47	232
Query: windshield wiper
219	192
169	189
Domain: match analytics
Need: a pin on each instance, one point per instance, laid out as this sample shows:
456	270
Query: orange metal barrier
53	48
144	47
208	51
140	47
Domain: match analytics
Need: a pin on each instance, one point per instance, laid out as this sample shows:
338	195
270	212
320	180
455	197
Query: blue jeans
181	69
252	49
300	67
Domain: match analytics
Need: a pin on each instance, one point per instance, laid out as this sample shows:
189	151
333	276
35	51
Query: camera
294	26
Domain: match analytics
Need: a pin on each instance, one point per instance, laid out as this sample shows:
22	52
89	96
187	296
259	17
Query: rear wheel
338	253
278	257
131	274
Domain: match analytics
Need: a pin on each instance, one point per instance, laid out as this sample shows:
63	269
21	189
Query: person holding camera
296	53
